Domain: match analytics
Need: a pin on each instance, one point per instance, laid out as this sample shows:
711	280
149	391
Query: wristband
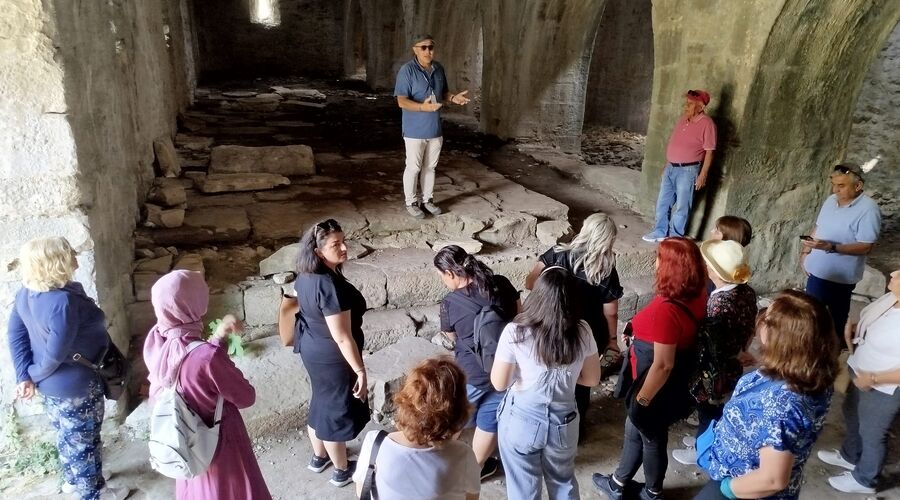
361	370
725	488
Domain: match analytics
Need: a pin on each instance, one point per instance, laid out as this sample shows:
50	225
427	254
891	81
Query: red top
666	323
690	140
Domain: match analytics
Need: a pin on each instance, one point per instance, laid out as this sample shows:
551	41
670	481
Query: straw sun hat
727	259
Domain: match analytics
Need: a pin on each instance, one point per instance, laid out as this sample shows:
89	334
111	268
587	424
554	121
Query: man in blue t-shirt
834	257
421	90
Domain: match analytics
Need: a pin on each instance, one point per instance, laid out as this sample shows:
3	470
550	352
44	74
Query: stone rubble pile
612	146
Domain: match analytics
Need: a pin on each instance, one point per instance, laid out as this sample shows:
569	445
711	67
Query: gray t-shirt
447	472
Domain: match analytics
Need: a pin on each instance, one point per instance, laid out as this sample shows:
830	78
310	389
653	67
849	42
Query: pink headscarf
180	300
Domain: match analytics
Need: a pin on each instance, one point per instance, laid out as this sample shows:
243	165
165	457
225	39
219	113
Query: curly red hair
681	272
432	406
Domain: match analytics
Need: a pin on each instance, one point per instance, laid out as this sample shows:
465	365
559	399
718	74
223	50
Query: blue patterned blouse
764	413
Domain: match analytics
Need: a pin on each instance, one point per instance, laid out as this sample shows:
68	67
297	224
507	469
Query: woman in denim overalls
542	354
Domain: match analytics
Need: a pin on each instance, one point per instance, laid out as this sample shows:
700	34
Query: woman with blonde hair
421	459
53	319
769	426
591	259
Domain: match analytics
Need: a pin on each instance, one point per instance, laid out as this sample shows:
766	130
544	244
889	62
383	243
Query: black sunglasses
329	225
425	47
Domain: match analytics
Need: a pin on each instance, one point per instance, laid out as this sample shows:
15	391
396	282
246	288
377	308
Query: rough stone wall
87	87
621	71
781	103
308	39
386	44
536	59
876	131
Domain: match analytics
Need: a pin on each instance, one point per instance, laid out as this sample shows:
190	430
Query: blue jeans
836	296
865	444
677	188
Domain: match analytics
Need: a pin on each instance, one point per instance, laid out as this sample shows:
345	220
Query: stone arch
620	79
782	105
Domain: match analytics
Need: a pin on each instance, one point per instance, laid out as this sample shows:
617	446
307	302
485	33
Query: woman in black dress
591	259
329	338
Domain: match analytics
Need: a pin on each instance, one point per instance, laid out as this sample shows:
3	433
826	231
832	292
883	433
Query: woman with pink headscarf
180	300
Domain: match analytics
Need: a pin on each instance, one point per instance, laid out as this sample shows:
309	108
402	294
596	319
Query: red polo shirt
690	140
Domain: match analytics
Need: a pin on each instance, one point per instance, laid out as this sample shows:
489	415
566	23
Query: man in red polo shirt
688	157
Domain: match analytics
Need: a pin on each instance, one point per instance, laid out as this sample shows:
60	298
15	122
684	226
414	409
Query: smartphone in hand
806	238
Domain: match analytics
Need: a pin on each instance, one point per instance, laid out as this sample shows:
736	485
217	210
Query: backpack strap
220	403
685	309
471	305
368	487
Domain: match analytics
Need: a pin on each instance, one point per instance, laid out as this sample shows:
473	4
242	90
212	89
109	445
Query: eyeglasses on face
428	48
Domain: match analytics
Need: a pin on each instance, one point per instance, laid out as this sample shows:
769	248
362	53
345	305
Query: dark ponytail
458	262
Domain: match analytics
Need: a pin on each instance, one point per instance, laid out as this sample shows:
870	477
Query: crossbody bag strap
368	488
683	307
220	403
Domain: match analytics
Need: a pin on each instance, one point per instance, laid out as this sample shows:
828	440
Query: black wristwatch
833	248
642	401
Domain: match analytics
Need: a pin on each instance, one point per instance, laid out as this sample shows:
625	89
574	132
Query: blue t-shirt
860	221
764	413
418	84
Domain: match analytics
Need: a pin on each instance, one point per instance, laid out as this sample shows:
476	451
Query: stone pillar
87	87
456	27
536	59
386	45
781	103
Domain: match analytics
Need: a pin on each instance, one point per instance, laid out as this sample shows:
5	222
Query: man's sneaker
689	441
649	495
318	464
69	488
432	208
652	237
343	477
490	467
606	485
848	484
109	493
833	457
693	420
415	211
686	456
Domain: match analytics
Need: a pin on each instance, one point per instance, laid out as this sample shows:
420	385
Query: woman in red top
664	333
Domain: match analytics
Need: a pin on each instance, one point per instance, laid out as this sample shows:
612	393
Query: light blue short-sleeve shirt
859	221
416	83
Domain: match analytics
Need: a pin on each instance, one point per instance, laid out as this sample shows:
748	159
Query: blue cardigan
46	329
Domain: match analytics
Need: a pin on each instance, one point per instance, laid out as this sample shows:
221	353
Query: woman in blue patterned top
769	426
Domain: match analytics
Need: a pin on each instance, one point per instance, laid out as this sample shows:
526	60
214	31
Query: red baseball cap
700	96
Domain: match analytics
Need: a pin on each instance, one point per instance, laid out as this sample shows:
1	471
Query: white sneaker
693	420
690	441
687	456
833	457
69	488
846	483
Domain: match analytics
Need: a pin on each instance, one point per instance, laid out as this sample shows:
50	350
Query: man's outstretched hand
460	98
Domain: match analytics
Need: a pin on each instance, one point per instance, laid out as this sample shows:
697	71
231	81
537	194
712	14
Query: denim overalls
538	436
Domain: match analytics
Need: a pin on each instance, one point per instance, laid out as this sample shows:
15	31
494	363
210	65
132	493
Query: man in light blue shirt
420	90
835	256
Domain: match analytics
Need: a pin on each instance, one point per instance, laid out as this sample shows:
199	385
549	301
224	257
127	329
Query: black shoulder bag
368	488
112	369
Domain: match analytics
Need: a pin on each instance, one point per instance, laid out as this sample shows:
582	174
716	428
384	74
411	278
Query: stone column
386	44
536	60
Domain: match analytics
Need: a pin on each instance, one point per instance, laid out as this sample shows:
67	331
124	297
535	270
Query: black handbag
112	369
368	491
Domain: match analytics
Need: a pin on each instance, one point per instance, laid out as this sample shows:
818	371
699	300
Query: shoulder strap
684	308
368	488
